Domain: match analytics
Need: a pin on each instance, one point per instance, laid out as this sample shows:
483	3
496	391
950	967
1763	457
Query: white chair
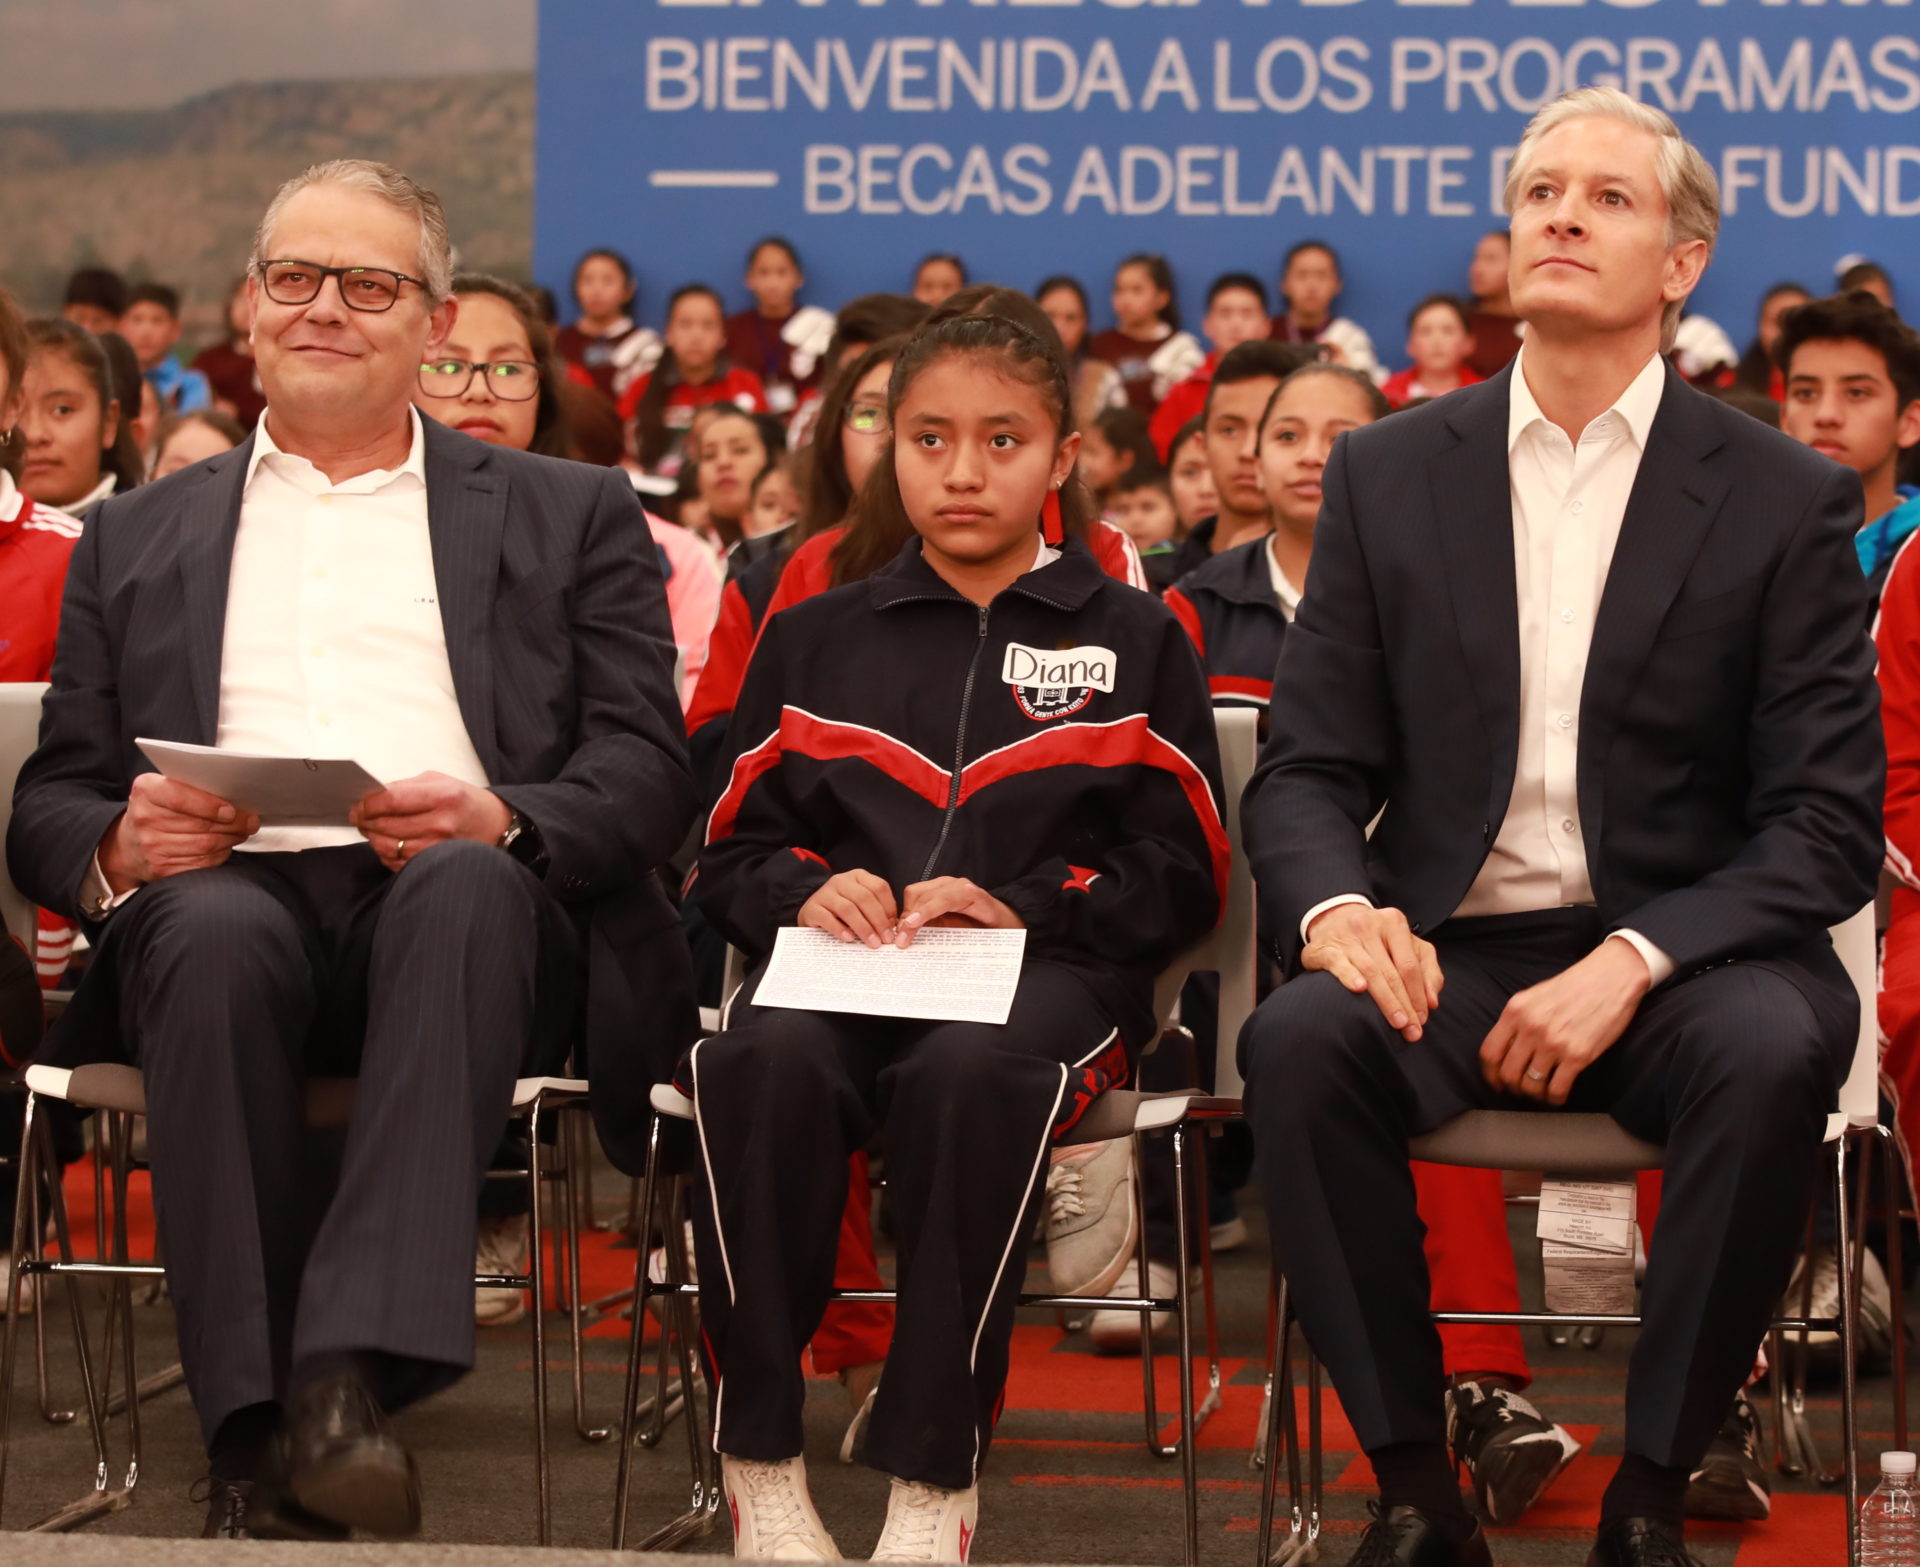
1230	950
1584	1147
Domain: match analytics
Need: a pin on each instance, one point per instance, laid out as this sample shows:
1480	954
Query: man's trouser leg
471	970
218	980
1734	1070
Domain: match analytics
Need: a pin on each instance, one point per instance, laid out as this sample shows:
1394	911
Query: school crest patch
1053	683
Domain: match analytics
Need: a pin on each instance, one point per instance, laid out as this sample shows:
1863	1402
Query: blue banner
1040	136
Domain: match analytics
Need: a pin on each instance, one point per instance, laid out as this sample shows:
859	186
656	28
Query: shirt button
1566	617
1567	825
326	720
1578	507
1566	720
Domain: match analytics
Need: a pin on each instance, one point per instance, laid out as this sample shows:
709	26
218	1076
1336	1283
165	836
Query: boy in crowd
96	299
1439	342
1310	281
1242	384
151	327
1852	372
1142	505
1236	314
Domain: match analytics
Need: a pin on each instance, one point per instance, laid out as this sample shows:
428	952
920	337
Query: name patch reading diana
1053	682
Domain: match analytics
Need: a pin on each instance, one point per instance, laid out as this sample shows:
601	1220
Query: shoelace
1065	1195
779	1511
913	1519
1377	1544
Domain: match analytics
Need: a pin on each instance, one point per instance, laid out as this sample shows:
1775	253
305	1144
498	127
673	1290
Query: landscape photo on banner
1061	135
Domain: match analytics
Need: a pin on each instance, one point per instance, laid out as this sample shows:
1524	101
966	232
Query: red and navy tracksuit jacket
1054	747
1229	609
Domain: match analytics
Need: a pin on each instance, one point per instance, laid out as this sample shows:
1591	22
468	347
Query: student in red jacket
693	371
987	732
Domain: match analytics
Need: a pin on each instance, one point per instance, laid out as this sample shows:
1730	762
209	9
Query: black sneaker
1510	1450
1731	1482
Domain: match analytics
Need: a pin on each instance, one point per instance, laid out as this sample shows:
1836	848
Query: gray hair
435	265
1686	178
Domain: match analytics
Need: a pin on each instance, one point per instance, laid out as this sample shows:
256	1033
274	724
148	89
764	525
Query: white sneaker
927	1524
1092	1222
502	1248
29	1287
1229	1234
773	1516
657	1274
1875	1342
1118	1332
856	1427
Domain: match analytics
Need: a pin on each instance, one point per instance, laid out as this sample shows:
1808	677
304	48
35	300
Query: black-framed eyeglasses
510	380
371	289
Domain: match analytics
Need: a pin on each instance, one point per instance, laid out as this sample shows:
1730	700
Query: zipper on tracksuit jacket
959	745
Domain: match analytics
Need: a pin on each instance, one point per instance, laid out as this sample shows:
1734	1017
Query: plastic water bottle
1890	1518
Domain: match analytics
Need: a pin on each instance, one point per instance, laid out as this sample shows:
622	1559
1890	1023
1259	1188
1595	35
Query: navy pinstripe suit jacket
562	659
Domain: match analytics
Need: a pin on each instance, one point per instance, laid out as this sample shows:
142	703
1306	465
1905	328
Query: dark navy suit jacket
562	659
1730	762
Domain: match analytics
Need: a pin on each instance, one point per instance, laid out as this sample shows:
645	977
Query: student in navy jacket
992	732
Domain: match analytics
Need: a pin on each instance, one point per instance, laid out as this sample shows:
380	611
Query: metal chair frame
117	1094
1231	951
1588	1147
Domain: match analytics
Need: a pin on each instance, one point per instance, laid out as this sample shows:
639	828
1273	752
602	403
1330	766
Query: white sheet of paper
949	976
287	791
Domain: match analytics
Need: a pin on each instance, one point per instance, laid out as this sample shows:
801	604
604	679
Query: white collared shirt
1569	500
11	498
334	644
1287	595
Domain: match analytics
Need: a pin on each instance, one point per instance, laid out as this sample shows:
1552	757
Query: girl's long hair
1015	339
826	493
122	459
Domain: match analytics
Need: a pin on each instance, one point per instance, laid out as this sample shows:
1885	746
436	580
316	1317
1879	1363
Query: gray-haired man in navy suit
1593	641
484	630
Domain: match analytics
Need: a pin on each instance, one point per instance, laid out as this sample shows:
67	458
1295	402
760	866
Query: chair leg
1893	1180
703	1456
123	1292
543	1478
577	1189
1849	1325
1266	1454
1150	1396
1183	1293
46	1193
636	1340
26	1173
1198	1194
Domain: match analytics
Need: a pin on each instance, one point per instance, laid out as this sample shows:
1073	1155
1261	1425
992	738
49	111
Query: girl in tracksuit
988	731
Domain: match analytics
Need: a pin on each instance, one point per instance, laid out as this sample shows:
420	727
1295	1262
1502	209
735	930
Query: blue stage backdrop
1035	136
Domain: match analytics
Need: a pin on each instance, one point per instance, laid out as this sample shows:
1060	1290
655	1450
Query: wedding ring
1538	1077
400	853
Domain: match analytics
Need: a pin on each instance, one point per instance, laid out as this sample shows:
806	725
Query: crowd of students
1189	467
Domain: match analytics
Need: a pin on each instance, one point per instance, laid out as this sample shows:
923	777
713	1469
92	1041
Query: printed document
286	791
948	975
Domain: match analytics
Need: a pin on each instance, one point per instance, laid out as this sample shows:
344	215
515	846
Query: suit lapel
1473	509
466	515
208	529
1676	495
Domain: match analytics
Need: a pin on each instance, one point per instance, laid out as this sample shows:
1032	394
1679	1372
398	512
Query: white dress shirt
1569	500
334	645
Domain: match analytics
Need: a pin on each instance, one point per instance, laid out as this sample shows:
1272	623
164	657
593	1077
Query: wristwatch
522	840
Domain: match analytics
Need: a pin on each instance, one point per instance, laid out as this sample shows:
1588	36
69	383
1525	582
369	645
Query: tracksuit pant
1733	1069
967	1113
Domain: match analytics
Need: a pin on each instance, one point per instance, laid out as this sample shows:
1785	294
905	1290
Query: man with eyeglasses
484	631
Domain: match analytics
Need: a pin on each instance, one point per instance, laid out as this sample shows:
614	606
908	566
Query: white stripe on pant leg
1039	1160
719	1234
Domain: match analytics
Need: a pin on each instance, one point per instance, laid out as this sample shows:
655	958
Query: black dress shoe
1406	1537
249	1510
341	1462
1639	1542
